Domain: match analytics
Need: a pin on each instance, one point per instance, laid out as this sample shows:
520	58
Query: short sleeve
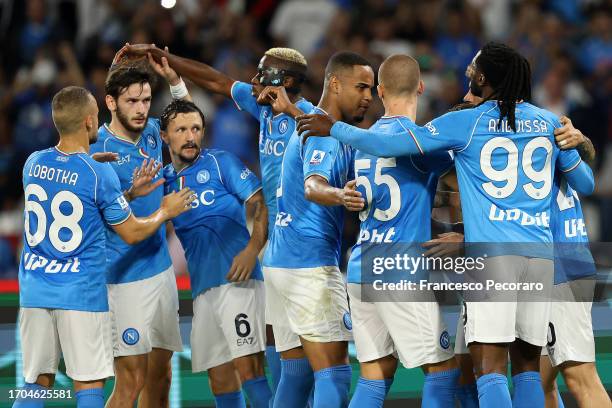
568	160
115	208
319	155
237	177
244	99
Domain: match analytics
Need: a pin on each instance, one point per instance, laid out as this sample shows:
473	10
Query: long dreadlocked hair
509	74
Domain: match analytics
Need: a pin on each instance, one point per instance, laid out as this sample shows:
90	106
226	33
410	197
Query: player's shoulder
153	124
304	105
222	157
533	110
38	155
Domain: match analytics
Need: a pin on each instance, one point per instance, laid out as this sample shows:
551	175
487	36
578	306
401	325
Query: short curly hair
174	108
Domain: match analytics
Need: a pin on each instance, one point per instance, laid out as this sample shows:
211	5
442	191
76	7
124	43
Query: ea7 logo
244	341
317	157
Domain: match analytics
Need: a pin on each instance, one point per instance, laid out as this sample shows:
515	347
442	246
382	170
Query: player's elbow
130	239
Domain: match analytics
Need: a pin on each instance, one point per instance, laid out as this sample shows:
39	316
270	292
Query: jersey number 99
60	220
510	173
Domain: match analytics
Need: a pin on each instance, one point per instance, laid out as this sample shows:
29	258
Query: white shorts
413	331
570	331
503	322
228	322
144	315
460	345
308	302
84	339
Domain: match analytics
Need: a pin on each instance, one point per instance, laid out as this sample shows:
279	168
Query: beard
475	89
125	122
186	159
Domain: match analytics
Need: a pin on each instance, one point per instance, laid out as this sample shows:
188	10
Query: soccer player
228	329
505	161
284	69
304	287
398	191
69	199
571	345
142	291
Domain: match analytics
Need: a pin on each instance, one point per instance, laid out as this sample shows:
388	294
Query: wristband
179	91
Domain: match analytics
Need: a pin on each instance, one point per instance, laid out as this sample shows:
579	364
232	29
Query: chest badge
283	126
152	142
203	176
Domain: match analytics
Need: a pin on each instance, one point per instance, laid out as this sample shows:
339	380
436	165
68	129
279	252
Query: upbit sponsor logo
541	219
272	147
33	262
575	227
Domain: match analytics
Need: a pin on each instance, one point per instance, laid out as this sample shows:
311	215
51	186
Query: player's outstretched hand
142	179
105	157
314	125
242	266
141	50
163	69
567	136
176	203
353	201
447	244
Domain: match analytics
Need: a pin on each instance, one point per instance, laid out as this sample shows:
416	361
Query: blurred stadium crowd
48	44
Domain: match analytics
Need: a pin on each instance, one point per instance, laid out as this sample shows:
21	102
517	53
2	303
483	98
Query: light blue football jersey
274	134
573	258
505	178
68	200
399	193
129	263
307	234
214	231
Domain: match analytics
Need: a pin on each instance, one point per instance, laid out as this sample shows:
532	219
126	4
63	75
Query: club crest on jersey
152	142
444	340
283	126
317	157
130	336
203	176
346	319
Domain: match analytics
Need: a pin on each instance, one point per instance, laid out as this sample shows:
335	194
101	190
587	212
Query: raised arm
135	229
447	132
197	72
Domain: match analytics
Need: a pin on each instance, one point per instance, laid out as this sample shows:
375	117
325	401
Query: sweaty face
184	135
133	107
355	92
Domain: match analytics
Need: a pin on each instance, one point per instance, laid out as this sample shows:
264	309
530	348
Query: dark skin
346	96
206	76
